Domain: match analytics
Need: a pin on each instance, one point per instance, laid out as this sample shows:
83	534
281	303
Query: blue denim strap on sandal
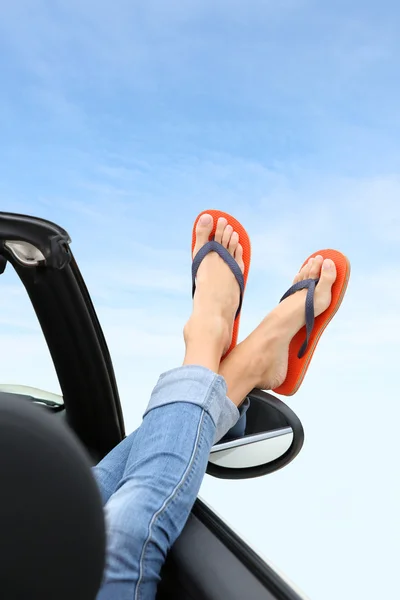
214	246
310	284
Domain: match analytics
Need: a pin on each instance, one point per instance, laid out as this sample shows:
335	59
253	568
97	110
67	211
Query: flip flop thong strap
214	246
310	284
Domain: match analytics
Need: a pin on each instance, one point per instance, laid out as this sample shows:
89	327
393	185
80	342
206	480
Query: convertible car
209	561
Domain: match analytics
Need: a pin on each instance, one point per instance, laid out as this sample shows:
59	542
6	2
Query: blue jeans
150	481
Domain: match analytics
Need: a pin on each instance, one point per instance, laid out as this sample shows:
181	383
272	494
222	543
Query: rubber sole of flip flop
297	367
244	240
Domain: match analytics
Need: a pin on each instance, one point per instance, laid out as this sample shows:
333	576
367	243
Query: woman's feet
208	332
261	360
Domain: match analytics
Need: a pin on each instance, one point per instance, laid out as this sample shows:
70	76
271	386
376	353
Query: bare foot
208	332
261	360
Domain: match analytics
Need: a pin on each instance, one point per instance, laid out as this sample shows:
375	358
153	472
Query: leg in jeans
159	479
110	471
188	410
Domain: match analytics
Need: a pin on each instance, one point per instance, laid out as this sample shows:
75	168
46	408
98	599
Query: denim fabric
239	429
150	481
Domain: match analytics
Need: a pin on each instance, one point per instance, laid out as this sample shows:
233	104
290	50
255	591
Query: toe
203	230
239	256
226	236
298	277
315	268
221	224
305	271
323	296
233	243
328	274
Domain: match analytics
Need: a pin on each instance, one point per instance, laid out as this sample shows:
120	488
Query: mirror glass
268	435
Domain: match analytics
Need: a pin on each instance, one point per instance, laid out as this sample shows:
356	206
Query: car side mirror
273	437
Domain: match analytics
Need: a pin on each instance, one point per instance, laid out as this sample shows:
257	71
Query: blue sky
122	121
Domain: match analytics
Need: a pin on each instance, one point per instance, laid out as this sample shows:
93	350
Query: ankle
205	340
239	376
203	355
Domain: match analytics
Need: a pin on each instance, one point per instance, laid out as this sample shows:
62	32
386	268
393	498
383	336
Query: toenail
205	219
328	264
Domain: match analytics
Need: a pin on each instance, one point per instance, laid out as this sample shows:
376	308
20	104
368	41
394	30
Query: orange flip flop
213	246
303	344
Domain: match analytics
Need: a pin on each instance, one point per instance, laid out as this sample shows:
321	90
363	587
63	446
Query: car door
209	561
